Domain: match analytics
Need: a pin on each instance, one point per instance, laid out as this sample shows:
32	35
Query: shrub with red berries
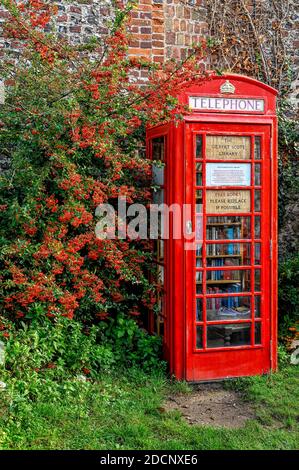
71	123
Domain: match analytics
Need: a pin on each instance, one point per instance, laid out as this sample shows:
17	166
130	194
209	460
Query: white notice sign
210	103
228	174
227	201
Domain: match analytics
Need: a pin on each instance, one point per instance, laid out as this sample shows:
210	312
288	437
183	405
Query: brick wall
185	23
164	29
83	19
160	28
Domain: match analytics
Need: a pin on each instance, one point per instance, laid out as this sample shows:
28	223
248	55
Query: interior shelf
221	281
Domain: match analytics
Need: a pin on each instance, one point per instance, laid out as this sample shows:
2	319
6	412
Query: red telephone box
217	293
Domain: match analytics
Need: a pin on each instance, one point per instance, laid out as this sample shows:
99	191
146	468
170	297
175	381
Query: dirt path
211	404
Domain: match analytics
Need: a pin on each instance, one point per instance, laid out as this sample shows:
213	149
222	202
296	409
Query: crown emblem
227	87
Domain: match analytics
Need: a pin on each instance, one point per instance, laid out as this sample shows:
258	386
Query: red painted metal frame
208	363
218	363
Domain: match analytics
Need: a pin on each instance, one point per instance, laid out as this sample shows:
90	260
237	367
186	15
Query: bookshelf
230	254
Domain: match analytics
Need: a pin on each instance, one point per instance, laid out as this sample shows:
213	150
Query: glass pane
160	326
227	147
257	147
158	196
229	281
158	148
257	280
198	262
158	310
158	214
160	274
199	228
257	174
257	307
159	304
228	254
198	280
228	228
199	249
198	201
257	333
228	308
198	309
233	334
199	288
198	174
159	249
257	226
257	253
198	151
199	337
257	200
158	175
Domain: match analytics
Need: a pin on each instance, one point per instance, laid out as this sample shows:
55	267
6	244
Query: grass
125	412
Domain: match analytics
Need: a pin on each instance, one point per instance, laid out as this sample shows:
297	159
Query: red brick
158	43
158	14
158	28
134	42
157	21
146	44
158	51
145	37
158	37
143	22
145	8
146	30
145	15
139	52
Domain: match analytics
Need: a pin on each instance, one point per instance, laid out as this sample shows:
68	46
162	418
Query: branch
265	67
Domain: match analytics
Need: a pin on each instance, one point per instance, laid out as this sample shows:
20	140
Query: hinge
271	248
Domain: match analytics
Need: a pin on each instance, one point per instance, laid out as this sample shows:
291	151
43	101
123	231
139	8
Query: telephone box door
228	285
